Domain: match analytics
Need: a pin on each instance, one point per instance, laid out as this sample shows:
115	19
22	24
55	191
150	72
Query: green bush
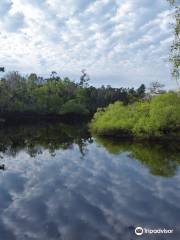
156	117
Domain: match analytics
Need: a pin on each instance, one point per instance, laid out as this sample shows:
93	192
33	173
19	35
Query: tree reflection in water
36	138
162	159
61	183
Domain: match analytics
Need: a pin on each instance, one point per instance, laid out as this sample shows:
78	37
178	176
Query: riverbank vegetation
156	117
60	96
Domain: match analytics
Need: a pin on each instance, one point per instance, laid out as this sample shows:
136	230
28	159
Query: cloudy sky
119	42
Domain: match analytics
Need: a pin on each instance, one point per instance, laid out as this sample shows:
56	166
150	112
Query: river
59	182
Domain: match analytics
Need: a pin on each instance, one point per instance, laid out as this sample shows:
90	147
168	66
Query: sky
122	43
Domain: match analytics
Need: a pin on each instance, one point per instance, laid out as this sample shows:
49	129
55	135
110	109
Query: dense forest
55	95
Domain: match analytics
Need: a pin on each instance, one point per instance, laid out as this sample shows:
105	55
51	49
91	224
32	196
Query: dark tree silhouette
84	79
2	69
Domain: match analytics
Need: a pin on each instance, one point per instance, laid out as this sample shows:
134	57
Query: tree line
56	95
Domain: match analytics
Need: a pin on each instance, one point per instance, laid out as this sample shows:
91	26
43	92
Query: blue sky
119	42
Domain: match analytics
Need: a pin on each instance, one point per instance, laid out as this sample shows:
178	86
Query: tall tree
84	79
175	48
141	91
156	88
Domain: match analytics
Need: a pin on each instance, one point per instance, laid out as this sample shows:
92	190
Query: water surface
58	182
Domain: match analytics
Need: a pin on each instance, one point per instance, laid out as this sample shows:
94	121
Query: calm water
60	183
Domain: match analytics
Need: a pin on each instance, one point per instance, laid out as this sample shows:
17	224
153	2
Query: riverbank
120	136
15	118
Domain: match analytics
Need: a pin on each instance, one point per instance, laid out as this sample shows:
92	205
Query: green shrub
155	117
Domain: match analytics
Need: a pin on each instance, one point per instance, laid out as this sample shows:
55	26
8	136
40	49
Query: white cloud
118	42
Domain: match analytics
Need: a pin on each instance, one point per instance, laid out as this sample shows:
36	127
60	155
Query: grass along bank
158	117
